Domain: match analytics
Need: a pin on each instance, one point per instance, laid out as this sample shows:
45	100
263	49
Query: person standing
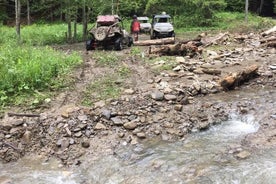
135	28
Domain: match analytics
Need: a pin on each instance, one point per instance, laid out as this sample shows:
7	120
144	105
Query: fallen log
236	79
162	41
22	115
178	49
267	32
220	38
272	38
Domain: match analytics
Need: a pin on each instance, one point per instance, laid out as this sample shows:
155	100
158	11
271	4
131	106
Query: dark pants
135	35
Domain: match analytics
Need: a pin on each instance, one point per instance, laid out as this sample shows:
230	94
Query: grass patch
24	70
102	89
161	64
39	34
105	58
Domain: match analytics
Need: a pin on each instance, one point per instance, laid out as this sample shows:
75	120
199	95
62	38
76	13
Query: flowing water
203	157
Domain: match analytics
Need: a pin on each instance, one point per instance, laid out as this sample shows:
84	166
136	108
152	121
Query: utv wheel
118	44
130	42
89	45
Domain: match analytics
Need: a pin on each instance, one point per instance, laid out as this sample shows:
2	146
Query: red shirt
135	26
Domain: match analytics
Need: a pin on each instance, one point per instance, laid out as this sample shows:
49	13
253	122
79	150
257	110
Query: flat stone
130	125
82	126
177	68
78	134
141	135
117	121
157	95
82	118
129	91
243	155
100	126
170	97
99	104
179	59
168	125
18	123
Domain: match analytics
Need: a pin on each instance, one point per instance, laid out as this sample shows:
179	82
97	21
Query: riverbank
155	102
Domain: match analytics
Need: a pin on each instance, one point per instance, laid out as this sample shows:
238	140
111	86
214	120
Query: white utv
162	26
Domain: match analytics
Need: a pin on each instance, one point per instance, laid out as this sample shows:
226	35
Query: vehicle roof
162	16
142	18
107	18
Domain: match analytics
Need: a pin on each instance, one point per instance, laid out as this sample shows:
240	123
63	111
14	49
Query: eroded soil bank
156	102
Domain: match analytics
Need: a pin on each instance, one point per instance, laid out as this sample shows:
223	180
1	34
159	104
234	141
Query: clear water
204	157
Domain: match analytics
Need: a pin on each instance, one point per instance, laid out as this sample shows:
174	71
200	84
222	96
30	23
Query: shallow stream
203	157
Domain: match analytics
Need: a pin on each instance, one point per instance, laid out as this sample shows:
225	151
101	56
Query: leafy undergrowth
26	70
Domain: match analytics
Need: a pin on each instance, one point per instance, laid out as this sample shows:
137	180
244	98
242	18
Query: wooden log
236	79
221	37
163	41
267	32
272	38
176	50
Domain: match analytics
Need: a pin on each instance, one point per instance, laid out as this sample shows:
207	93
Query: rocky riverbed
168	104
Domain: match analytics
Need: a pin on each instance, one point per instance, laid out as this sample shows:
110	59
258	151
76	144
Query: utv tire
89	45
118	44
130	41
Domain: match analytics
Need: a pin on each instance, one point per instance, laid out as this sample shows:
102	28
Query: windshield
162	20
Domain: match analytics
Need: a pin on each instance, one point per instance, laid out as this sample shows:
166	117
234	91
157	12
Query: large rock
100	126
106	113
130	125
117	121
157	95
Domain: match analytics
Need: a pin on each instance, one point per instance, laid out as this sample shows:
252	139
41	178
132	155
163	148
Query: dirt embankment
167	104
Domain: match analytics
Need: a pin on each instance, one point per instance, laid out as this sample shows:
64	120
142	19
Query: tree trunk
75	31
162	41
28	13
246	10
261	7
84	21
17	17
69	24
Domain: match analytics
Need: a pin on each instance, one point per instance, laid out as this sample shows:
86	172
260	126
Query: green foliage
235	21
235	5
24	69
